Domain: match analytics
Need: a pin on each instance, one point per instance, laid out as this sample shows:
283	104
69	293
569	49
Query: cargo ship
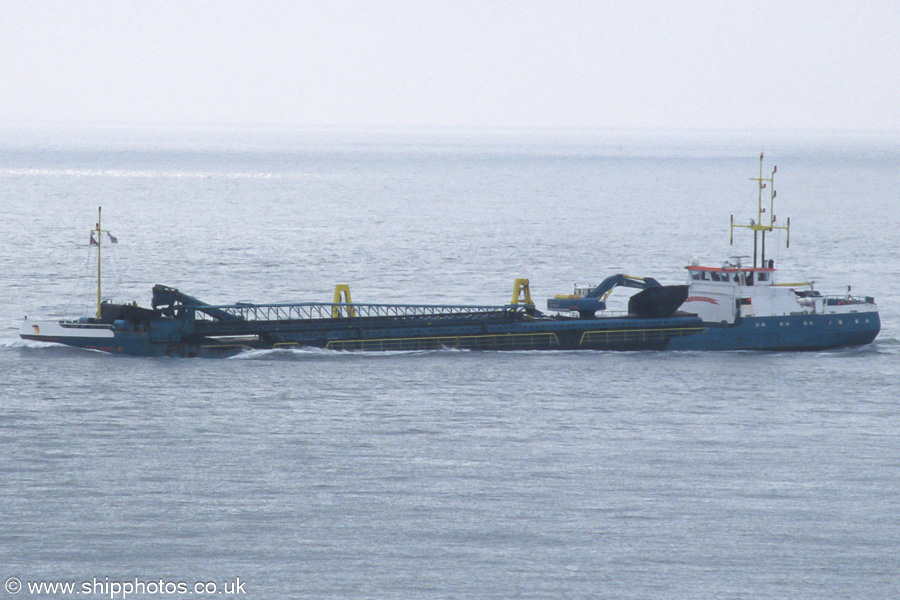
732	306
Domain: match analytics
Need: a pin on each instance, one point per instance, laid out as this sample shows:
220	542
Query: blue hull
681	332
790	332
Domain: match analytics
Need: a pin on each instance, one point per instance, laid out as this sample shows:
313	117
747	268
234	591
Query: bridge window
695	275
762	276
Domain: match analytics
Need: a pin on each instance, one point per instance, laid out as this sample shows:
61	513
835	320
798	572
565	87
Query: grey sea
314	474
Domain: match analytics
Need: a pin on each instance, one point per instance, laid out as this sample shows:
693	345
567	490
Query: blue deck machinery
192	326
655	300
180	324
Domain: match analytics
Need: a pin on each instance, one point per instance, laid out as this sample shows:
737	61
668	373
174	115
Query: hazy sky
629	64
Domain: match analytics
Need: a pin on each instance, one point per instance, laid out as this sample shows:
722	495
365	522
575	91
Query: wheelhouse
732	275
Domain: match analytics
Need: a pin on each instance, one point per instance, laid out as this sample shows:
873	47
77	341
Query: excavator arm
595	300
606	287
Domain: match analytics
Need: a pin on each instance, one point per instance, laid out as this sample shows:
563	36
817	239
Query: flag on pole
112	238
93	241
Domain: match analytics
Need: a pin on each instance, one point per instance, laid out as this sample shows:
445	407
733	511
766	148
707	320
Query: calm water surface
312	474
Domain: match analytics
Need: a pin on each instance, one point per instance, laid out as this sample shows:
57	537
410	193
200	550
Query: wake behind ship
728	307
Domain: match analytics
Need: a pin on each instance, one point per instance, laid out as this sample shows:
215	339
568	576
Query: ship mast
99	246
759	228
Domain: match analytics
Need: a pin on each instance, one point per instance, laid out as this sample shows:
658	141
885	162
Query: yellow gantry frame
521	289
342	296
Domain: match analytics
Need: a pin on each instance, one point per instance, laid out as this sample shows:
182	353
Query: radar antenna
757	224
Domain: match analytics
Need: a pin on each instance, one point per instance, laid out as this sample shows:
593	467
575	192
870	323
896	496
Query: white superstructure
722	294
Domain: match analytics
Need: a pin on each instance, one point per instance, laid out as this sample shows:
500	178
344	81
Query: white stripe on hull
53	330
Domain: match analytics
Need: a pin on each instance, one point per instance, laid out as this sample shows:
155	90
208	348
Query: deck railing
843	300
